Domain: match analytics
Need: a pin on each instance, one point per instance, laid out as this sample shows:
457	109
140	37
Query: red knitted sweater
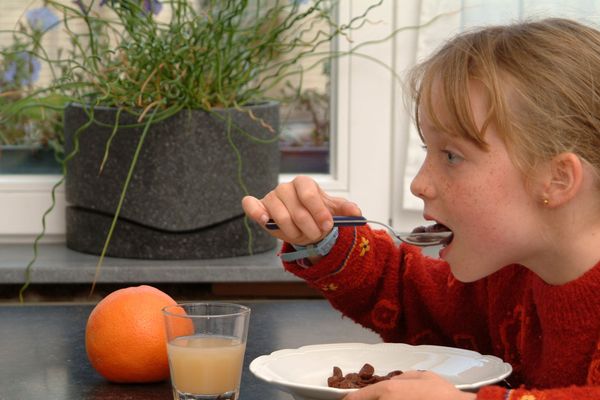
549	334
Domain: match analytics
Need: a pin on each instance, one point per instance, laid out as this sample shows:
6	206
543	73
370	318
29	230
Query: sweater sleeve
568	393
590	391
408	297
395	290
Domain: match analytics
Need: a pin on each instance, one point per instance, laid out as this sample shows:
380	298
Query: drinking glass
206	344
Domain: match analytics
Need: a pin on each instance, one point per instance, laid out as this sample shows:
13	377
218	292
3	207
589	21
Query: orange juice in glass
206	344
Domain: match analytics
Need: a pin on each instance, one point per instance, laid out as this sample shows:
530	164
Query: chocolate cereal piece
354	380
436	228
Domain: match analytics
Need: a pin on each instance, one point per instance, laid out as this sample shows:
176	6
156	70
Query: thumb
255	209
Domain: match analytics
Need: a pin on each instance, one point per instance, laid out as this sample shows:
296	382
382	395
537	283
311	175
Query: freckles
447	187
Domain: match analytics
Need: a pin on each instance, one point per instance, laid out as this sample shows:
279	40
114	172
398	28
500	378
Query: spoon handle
338	220
422	239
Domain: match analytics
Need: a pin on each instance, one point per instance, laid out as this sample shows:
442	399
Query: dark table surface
42	349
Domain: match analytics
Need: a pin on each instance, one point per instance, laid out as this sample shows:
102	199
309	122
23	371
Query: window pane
305	117
305	129
305	122
26	144
25	159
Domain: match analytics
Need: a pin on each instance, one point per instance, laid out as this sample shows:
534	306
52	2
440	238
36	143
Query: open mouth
437	227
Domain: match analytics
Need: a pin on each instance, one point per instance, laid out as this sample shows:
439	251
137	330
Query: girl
510	119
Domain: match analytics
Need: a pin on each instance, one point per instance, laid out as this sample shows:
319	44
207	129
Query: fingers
255	209
341	206
411	385
301	209
312	199
387	389
418	374
321	205
376	391
283	206
298	209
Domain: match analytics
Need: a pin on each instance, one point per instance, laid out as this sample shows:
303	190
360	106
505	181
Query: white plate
303	372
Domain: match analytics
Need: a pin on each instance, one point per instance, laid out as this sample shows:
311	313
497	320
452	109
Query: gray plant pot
183	201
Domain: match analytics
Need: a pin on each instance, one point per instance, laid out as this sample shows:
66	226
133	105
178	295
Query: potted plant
156	92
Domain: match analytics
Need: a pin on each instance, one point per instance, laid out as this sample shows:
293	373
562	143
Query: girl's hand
412	385
301	209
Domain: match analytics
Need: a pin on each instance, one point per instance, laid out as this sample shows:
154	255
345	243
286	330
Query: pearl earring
546	201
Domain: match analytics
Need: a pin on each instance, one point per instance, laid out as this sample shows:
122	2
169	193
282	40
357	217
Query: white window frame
23	201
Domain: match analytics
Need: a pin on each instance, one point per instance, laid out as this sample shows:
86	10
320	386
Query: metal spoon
422	239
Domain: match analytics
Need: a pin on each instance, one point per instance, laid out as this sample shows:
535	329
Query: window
25	191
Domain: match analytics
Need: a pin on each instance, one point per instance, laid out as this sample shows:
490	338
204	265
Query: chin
466	278
466	275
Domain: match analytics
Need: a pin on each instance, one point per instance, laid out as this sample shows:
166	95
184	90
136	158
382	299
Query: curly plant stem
238	155
37	240
240	178
250	236
245	132
52	205
110	139
160	116
122	197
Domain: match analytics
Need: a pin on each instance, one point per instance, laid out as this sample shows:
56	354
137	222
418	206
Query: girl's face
479	194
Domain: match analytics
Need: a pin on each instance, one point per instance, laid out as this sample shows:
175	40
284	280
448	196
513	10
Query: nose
421	184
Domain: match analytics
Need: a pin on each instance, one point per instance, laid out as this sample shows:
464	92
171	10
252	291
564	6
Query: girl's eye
451	157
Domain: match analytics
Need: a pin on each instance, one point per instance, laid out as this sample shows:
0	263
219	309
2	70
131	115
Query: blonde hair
542	80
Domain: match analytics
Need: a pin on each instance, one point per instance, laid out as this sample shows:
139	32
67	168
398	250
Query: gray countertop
58	264
42	353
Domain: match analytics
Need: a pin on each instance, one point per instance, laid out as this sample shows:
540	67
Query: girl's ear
564	181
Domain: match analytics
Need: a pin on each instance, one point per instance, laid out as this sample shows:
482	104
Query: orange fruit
125	337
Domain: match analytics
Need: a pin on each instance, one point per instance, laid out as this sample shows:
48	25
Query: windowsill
58	264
